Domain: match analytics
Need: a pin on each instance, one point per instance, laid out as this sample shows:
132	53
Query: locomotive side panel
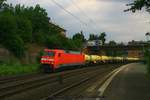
67	59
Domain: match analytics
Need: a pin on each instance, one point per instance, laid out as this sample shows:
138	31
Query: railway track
13	89
59	94
70	79
4	80
8	80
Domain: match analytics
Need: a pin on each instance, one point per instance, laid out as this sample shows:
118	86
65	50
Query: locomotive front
47	60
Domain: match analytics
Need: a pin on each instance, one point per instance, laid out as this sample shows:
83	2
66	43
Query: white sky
107	16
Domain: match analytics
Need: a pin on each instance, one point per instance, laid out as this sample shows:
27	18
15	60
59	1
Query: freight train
54	59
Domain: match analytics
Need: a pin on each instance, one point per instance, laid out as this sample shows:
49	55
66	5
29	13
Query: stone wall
5	55
29	58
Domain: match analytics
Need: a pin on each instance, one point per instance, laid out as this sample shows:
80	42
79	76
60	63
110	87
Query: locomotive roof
53	50
60	50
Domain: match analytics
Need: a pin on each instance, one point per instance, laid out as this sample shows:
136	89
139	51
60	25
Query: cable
82	22
90	19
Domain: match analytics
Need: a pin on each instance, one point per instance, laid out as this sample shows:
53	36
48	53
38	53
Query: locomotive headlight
43	58
47	59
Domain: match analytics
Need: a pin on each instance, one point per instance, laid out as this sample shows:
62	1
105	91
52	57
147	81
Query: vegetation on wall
22	25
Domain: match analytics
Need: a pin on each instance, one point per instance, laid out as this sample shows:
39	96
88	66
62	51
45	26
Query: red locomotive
54	59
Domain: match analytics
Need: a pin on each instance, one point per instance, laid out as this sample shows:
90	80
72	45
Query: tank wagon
55	59
92	59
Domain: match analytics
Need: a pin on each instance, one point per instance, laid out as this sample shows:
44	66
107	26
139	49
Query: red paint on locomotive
59	58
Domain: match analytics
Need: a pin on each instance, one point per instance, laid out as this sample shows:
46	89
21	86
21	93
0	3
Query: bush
16	46
15	69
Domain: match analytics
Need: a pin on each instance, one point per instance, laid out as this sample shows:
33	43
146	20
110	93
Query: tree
110	52
22	25
138	5
39	20
112	43
93	37
8	26
102	37
147	35
60	42
78	39
79	36
24	28
2	3
8	34
15	45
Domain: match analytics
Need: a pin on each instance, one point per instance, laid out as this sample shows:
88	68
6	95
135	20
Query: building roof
57	26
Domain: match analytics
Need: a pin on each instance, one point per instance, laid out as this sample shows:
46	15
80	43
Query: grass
15	69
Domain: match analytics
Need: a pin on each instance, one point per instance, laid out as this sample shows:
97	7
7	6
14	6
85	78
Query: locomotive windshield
50	54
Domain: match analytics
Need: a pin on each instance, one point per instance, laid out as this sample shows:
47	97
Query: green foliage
147	36
78	39
13	69
55	29
110	52
21	25
79	36
72	44
8	26
33	23
115	53
60	42
112	43
24	28
54	41
2	3
93	37
8	34
15	45
138	5
102	37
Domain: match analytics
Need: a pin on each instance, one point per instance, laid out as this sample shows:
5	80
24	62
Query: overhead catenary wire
77	18
70	13
90	19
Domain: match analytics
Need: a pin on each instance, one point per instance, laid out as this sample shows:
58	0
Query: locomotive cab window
52	54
